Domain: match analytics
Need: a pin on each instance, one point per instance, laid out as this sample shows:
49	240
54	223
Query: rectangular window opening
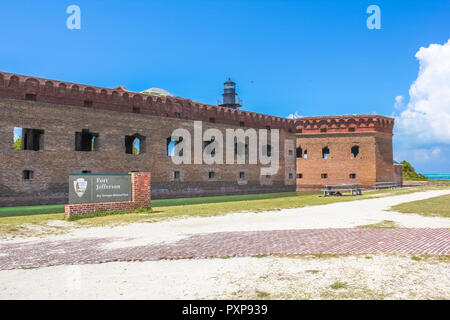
28	175
86	141
30	97
28	139
88	103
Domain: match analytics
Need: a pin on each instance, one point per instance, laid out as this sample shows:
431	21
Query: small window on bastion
355	151
325	152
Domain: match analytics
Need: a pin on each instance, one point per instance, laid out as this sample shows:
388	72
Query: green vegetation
312	271
433	207
30	210
262	294
385	224
338	285
32	221
18	144
409	173
416	258
109	213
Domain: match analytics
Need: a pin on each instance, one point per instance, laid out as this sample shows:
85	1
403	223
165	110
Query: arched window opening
305	154
299	152
134	144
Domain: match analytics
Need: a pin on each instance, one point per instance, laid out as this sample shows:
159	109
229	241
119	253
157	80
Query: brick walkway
311	241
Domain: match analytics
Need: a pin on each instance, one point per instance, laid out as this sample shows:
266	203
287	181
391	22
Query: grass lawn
25	221
433	207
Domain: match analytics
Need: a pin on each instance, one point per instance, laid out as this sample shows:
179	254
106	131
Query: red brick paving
310	241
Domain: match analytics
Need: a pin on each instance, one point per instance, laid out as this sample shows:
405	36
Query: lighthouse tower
230	99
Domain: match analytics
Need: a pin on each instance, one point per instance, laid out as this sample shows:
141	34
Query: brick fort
73	128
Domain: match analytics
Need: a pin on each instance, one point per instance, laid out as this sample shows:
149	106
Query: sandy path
377	277
373	277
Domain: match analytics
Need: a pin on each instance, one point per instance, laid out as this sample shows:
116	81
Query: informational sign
99	188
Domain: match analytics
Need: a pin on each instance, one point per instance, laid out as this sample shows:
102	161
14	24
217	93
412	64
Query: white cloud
426	119
398	102
294	115
436	151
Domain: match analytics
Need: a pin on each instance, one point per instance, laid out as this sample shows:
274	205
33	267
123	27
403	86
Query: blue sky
309	57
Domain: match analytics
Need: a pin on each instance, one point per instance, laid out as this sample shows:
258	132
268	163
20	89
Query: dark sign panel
98	188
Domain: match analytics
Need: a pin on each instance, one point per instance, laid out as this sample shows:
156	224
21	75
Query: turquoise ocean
438	176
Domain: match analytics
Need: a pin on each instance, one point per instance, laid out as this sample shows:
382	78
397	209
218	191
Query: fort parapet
13	86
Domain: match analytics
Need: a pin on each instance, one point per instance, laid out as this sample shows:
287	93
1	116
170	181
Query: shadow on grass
30	210
59	208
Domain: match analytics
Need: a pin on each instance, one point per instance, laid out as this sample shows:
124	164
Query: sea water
438	176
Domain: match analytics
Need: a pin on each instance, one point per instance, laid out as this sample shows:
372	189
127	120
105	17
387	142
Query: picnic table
337	189
385	185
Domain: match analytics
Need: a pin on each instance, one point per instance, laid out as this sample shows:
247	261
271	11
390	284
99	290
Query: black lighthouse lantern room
230	99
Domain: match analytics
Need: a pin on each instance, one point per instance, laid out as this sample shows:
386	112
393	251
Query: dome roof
157	92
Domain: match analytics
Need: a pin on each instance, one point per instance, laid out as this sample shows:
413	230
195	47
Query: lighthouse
230	99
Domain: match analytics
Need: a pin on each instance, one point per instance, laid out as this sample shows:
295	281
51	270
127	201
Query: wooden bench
385	185
337	189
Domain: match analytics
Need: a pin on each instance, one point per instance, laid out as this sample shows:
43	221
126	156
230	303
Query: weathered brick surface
373	136
311	241
59	113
